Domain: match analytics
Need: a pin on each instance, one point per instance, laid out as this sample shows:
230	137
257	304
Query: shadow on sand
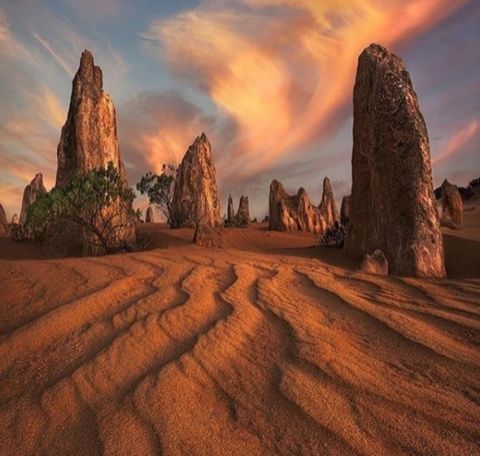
462	256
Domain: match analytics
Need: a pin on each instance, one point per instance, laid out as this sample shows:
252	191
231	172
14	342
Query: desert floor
269	345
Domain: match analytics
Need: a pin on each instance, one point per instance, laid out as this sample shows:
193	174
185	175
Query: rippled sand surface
267	346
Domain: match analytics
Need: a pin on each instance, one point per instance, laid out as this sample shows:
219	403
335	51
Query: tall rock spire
392	204
328	207
4	228
89	141
243	215
89	136
30	195
230	210
195	197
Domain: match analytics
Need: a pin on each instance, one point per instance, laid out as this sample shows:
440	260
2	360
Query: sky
269	81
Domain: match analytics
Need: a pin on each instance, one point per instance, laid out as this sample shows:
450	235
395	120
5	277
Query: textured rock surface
89	138
149	218
30	195
195	197
206	236
4	228
230	210
376	263
393	206
291	213
345	209
452	204
243	213
328	207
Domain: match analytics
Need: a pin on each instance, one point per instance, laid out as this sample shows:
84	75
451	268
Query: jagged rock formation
14	220
89	139
243	214
393	207
376	263
4	228
291	213
230	210
345	209
89	136
328	207
30	195
195	197
149	218
470	193
452	204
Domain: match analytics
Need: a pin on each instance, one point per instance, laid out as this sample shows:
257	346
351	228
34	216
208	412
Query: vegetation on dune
95	201
159	189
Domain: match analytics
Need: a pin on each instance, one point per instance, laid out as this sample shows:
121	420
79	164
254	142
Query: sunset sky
269	81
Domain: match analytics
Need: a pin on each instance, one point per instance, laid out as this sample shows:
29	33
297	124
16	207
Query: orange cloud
458	140
282	69
157	128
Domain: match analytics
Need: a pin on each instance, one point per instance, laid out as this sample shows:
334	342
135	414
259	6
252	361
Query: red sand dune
267	346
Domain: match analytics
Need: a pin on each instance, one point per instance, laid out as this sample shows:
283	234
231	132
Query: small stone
376	263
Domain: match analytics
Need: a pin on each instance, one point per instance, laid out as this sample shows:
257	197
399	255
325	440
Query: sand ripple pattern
224	352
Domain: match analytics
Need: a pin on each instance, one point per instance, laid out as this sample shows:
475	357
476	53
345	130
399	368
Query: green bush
96	201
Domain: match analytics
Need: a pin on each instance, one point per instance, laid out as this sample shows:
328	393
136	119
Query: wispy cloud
157	128
282	70
39	50
64	65
457	141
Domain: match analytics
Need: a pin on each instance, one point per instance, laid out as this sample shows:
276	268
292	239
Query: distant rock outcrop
149	218
230	210
393	206
14	219
376	263
242	218
195	197
470	193
291	213
4	228
452	204
30	195
345	210
89	139
328	207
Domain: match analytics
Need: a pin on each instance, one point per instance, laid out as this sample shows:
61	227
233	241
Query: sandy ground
270	345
